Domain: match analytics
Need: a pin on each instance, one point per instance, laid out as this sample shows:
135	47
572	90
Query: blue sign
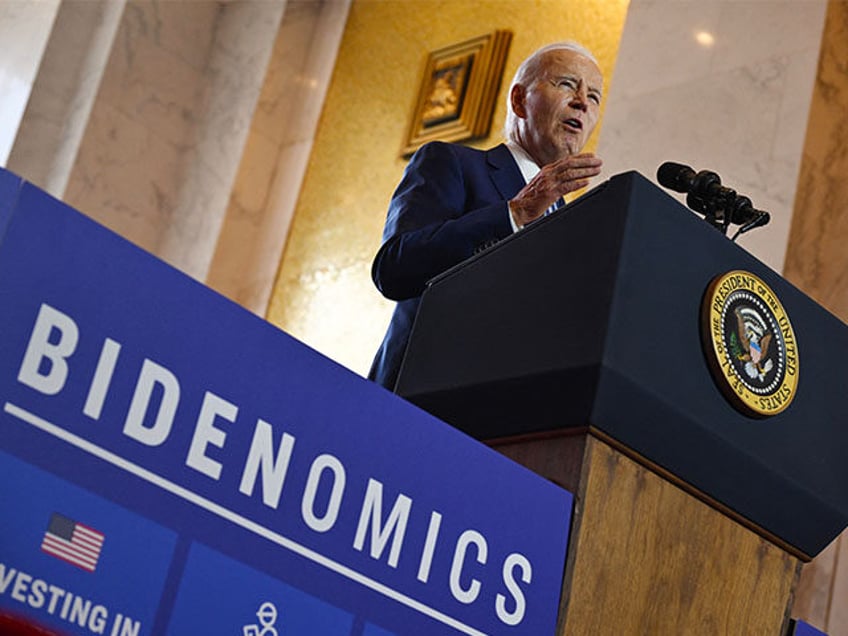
800	628
172	464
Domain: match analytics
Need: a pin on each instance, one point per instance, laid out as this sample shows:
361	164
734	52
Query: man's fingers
573	173
569	174
554	180
577	166
587	158
573	186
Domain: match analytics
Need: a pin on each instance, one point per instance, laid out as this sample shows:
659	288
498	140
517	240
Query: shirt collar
526	165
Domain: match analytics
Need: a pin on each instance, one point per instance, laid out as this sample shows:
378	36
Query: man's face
558	110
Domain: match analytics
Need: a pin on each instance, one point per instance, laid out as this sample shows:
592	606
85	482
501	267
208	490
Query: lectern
581	347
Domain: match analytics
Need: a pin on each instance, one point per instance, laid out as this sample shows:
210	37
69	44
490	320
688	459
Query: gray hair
528	72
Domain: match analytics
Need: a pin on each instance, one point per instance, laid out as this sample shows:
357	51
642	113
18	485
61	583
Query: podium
576	348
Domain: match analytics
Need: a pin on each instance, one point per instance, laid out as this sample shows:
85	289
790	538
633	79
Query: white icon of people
267	615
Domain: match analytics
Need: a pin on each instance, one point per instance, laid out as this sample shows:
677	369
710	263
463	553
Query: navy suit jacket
450	204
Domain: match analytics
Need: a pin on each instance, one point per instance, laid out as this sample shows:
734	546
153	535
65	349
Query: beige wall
734	100
323	294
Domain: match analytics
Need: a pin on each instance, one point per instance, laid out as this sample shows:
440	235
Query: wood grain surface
646	557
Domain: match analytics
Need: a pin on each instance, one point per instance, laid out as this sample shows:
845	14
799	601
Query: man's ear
516	98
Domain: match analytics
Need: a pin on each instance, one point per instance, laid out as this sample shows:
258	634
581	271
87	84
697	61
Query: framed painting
456	99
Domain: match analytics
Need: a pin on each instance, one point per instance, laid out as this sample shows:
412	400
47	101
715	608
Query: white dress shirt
528	169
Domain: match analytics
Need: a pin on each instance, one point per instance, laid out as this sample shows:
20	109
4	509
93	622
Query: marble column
140	114
277	152
233	76
24	30
64	92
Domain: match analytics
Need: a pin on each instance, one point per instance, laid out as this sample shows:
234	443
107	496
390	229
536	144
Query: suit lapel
504	172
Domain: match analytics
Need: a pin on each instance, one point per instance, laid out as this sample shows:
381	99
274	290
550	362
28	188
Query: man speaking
454	201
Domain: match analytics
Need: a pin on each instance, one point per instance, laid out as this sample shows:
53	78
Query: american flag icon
73	542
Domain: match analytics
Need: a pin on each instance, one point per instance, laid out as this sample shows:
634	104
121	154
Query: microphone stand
760	220
715	209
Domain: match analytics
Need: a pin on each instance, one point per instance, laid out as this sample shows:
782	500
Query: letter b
49	380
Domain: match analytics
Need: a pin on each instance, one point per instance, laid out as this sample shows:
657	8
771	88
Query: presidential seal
749	344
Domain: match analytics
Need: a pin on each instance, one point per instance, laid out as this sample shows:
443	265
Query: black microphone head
676	176
743	211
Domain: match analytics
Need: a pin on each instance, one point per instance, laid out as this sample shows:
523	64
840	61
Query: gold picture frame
456	100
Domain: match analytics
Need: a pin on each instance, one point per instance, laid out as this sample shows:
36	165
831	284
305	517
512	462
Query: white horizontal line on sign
229	515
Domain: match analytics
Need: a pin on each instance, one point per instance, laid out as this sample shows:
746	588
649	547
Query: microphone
703	184
743	212
676	176
707	196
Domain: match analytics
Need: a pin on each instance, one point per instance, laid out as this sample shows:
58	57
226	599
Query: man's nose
580	99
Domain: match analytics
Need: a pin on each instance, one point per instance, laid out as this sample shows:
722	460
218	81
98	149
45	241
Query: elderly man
454	201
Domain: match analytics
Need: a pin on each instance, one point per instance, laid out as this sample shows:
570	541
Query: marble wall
817	260
24	30
718	85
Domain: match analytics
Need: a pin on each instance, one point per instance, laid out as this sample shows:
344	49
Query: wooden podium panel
647	557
